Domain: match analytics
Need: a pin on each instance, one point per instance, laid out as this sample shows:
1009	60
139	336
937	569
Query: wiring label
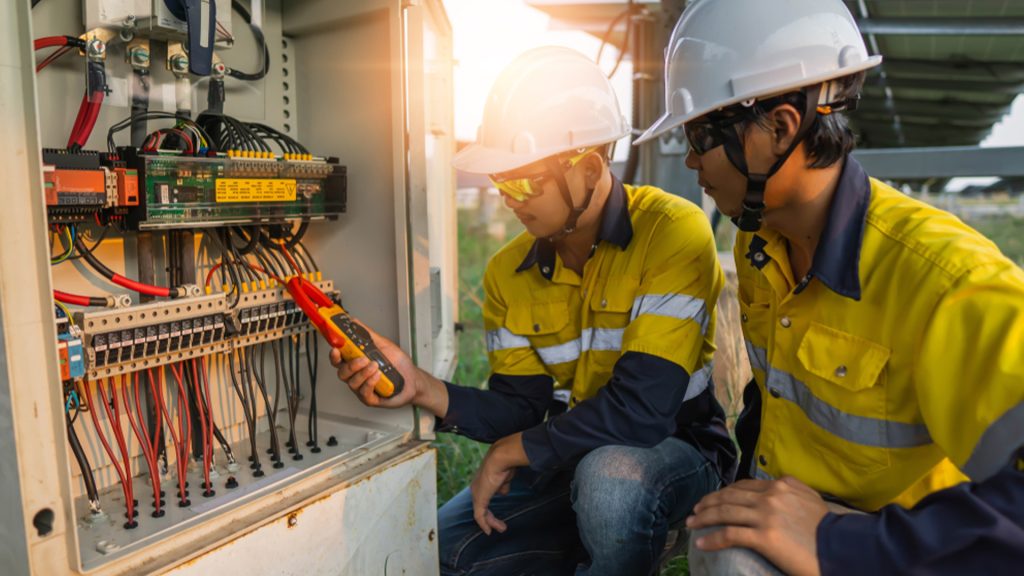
255	190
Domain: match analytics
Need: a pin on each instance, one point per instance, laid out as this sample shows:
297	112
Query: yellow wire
66	311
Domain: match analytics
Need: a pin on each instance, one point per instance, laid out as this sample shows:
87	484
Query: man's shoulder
932	237
651	201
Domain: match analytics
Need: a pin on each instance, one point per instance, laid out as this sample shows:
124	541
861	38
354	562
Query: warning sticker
253	190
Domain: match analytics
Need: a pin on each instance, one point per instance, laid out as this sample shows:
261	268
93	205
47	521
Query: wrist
431	394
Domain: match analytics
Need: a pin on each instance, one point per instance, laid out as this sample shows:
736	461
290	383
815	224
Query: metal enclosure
367	81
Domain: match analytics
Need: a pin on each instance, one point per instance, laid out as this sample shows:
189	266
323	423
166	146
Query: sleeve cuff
848	544
460	402
538	448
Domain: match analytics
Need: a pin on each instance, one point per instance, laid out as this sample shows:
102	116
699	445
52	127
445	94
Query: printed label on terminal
253	190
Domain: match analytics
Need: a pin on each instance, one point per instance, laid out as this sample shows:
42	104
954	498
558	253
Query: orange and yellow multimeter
344	333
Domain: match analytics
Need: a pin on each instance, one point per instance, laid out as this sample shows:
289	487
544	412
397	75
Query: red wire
209	406
159	422
122	443
290	259
140	287
50	41
202	423
74	299
115	423
143	435
53	57
83	111
92	112
129	501
174	438
184	429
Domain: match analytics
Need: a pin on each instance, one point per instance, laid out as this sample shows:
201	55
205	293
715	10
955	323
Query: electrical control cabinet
165	407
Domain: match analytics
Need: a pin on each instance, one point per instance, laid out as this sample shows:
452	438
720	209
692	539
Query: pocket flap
843	359
618	296
537	318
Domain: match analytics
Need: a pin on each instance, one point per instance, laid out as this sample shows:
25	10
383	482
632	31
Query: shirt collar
837	257
616	228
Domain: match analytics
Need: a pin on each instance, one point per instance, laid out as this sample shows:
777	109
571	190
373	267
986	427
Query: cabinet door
431	185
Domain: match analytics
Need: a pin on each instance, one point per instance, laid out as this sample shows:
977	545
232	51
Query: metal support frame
941	26
944	162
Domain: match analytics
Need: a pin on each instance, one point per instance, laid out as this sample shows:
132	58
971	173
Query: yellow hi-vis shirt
650	286
896	367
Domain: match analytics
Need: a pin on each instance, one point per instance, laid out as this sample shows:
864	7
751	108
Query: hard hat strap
554	167
753	202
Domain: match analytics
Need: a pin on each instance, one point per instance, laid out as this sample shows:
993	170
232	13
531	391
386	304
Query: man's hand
362	375
776	518
493	477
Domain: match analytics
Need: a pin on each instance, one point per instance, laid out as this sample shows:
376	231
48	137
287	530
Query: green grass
1007	232
458	457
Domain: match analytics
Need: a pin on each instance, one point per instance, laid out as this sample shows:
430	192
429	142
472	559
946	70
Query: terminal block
131	339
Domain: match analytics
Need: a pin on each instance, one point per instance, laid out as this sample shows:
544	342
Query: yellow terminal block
263	284
319	276
209	290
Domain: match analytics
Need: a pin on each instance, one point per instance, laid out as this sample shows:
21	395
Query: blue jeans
610	515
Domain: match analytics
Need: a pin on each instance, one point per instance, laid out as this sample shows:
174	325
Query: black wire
312	361
83	461
605	39
240	390
154	115
89	250
275	446
260	40
228	264
301	246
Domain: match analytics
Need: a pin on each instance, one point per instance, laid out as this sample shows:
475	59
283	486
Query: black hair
829	138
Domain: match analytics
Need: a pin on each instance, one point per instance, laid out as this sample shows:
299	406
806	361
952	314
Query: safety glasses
706	135
520	189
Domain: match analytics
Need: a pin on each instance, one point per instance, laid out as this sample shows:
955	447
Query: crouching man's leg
758	527
735	561
540	539
627	498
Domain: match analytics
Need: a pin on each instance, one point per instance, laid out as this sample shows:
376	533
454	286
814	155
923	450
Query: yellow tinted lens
518	189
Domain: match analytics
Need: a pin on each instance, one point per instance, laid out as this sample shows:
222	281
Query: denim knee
611	488
738	561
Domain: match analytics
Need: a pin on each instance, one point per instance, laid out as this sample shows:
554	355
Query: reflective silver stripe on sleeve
502	339
679	306
699	382
601	339
997	444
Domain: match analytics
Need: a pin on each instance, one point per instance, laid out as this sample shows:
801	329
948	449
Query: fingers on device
343	333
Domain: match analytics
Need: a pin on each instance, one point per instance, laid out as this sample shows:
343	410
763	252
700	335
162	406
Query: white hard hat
549	100
723	52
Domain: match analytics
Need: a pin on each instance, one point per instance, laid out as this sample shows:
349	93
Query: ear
592	168
784	121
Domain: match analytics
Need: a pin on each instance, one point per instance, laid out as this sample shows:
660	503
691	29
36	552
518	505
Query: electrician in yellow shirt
606	300
886	337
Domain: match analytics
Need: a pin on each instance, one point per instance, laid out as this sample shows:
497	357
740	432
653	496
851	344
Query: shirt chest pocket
614	302
845	395
537	318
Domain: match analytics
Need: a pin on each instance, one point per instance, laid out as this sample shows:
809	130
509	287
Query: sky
488	34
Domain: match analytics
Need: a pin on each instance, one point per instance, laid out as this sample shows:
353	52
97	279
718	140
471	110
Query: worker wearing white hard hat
883	430
587	306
